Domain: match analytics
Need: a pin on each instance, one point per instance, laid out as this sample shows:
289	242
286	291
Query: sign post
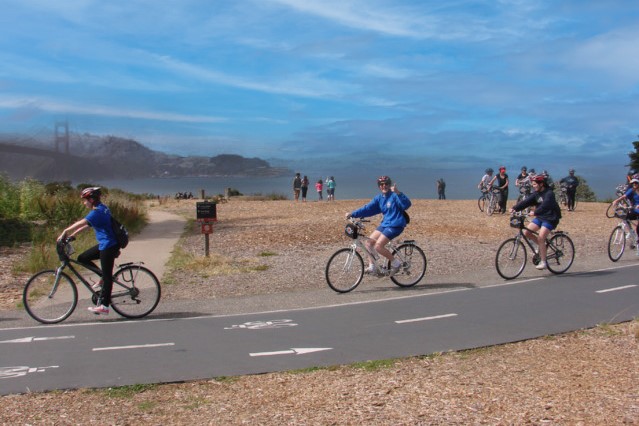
206	214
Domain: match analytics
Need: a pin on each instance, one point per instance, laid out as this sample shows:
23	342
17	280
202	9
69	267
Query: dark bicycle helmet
93	192
383	179
489	171
524	168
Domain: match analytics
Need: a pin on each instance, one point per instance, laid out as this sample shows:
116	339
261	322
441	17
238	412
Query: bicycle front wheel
616	243
413	265
136	291
561	253
511	258
481	202
344	270
610	211
47	300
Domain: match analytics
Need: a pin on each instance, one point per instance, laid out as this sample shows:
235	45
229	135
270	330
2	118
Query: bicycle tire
413	267
511	257
46	306
344	270
616	243
490	206
611	211
561	253
481	202
136	291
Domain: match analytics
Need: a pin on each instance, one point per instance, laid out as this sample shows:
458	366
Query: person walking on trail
391	203
546	215
319	187
330	189
571	183
297	186
441	189
501	182
107	249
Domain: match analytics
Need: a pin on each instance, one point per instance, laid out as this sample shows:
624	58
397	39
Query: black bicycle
51	296
512	255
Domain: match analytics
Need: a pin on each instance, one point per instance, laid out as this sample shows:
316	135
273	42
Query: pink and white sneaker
99	310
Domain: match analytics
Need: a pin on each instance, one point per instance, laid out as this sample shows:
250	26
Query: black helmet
383	179
93	192
489	171
524	168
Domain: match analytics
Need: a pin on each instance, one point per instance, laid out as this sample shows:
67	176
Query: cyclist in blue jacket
107	249
391	203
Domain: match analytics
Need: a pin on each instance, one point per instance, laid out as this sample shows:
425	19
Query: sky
370	86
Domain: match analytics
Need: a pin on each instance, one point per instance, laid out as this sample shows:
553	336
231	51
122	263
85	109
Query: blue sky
389	83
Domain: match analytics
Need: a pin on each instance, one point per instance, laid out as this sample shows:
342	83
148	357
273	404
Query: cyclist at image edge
107	249
571	183
546	215
484	183
391	203
632	195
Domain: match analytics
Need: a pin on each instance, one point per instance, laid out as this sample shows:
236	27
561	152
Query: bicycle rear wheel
344	270
136	291
511	258
413	265
47	301
616	243
561	253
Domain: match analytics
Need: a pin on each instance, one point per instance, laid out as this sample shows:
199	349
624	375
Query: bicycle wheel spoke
511	258
344	270
616	243
136	291
47	300
561	253
413	265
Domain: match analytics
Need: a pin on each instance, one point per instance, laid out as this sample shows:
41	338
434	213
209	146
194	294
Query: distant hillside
96	157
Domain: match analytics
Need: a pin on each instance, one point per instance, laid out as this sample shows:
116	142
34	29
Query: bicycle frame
551	253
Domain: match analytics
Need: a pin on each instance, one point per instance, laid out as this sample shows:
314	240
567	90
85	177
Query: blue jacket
100	220
546	205
391	205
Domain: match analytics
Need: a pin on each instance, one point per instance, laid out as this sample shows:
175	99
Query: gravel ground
586	377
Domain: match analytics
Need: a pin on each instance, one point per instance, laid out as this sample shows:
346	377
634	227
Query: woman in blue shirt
107	249
392	204
632	195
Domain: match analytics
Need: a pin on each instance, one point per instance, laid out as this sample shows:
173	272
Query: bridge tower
62	136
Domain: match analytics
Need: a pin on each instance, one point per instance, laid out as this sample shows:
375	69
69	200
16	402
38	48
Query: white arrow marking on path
115	348
36	339
292	351
616	288
425	318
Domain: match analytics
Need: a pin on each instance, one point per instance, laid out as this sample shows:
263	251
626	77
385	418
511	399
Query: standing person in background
501	182
330	189
319	187
484	183
297	186
441	189
304	188
107	249
571	183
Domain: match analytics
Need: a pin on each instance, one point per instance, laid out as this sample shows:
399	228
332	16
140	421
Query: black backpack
406	216
121	234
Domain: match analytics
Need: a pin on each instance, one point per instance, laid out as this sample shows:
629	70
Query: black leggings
107	260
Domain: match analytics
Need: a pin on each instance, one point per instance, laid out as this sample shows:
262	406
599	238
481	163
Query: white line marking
115	348
616	288
36	339
425	318
292	351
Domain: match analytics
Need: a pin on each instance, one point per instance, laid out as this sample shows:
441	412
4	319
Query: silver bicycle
622	234
345	268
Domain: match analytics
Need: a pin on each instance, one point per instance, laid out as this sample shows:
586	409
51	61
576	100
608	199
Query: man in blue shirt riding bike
391	203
